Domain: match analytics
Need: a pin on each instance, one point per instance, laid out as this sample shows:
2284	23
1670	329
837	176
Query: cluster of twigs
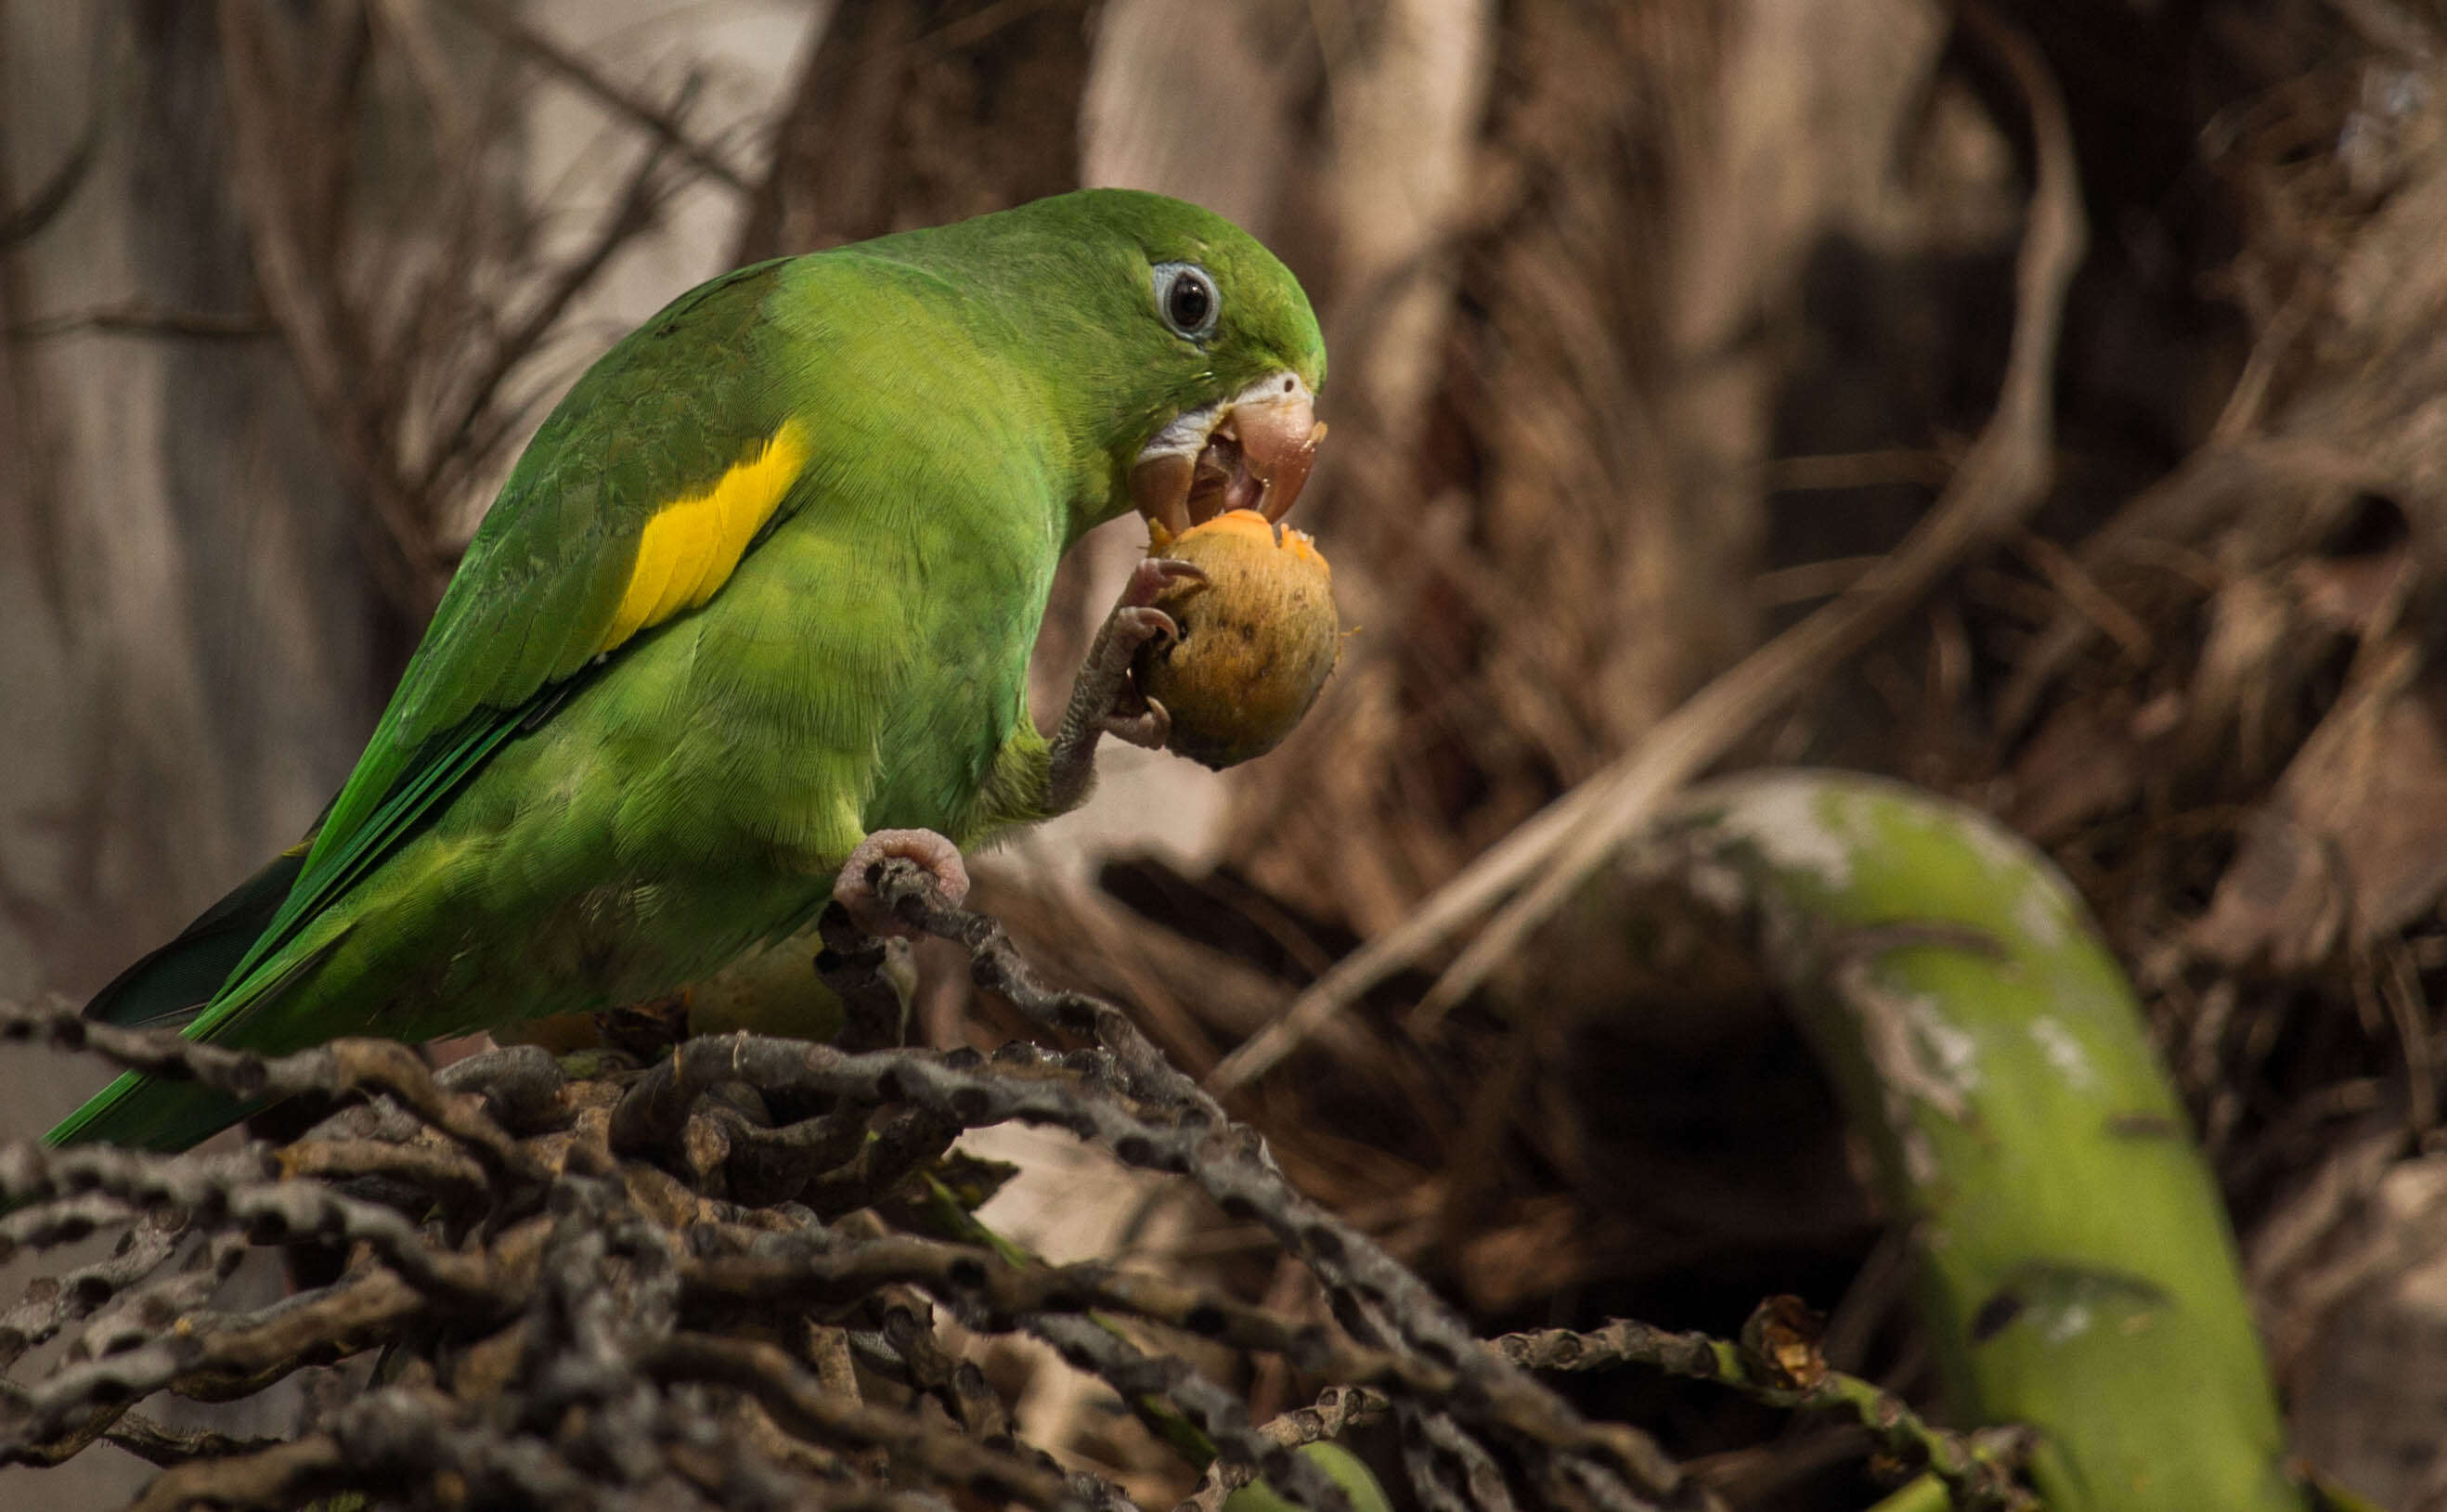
671	1283
663	1277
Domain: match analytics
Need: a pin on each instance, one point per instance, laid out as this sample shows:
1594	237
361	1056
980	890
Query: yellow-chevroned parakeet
754	608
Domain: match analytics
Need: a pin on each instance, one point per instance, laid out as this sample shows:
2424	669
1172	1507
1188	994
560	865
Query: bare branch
622	101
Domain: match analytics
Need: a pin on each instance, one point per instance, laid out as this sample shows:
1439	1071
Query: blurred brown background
1652	325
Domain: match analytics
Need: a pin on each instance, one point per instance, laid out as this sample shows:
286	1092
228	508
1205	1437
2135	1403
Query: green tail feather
147	1112
230	962
155	1113
169	985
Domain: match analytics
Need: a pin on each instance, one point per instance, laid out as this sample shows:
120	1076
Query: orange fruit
1258	638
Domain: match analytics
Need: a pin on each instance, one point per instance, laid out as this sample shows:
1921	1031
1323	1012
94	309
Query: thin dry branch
797	1399
1977	1469
24	221
338	1067
141	318
664	124
482	422
291	222
1337	1411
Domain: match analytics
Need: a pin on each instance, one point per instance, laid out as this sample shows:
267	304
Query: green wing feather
661	416
522	624
665	413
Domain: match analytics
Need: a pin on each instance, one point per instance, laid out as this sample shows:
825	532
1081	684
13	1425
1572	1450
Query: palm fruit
1258	637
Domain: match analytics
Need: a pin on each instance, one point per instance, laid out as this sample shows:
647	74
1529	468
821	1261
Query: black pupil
1190	301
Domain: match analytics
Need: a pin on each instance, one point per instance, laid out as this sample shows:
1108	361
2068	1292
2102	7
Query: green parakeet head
1193	346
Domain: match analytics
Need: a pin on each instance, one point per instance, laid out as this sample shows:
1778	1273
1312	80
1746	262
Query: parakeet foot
1105	699
855	889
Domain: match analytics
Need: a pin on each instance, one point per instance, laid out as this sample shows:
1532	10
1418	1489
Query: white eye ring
1187	298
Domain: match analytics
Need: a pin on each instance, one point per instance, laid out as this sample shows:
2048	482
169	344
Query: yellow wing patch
691	544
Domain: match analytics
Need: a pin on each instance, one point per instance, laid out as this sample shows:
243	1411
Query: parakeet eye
1187	296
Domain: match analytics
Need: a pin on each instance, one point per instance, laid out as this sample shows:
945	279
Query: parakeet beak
1251	451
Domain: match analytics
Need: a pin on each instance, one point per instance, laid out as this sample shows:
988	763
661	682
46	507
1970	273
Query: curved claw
1150	729
1154	577
1128	713
1136	625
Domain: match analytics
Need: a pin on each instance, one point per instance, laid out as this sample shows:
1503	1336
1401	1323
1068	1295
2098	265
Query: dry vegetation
1713	388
